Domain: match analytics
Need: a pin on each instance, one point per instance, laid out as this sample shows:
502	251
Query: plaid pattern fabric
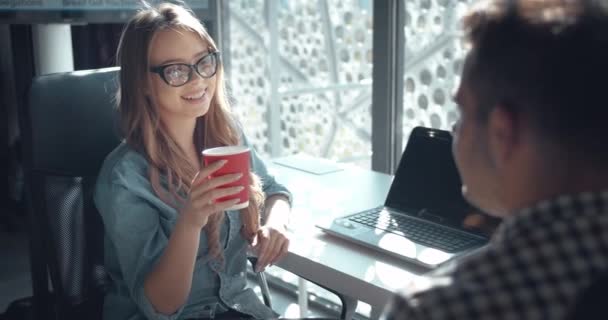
536	265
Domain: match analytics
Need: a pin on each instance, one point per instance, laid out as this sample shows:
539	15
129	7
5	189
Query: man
531	147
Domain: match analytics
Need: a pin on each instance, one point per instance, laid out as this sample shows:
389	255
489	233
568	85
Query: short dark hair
547	60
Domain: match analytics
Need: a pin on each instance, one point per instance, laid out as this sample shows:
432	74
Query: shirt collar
567	207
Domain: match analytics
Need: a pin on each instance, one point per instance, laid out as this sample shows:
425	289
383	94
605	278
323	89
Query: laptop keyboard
418	231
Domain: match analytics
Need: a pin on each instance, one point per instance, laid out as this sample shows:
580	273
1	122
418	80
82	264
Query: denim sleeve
133	228
269	184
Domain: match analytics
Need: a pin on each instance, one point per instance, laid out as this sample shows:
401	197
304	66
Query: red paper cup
237	158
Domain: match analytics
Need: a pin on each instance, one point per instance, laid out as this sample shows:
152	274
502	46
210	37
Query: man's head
533	98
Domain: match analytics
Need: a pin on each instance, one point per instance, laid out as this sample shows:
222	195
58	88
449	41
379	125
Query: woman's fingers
260	248
271	247
268	253
195	179
222	205
213	183
209	198
279	249
199	217
282	252
207	171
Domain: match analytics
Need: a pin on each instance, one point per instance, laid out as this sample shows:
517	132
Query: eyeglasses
178	74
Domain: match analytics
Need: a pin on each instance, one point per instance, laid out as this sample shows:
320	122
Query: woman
171	250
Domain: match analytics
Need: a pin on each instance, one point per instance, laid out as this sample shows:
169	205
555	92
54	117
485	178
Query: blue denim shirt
138	225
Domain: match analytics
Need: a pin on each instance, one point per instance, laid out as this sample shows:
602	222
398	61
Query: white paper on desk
308	164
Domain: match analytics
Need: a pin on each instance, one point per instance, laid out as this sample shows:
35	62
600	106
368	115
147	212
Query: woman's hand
201	202
272	244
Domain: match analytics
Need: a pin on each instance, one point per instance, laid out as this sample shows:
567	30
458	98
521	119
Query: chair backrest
70	125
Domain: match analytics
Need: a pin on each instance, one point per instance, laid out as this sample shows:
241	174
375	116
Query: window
433	61
300	72
301	75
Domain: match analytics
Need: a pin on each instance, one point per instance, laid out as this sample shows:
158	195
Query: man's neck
554	180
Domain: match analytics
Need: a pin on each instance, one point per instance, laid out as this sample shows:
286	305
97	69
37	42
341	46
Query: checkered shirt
535	266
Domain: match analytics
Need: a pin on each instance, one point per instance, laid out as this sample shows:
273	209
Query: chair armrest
262	282
349	305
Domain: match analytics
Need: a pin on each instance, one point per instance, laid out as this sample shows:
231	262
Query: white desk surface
354	270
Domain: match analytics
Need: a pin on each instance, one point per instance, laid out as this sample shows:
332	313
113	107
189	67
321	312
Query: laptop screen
427	184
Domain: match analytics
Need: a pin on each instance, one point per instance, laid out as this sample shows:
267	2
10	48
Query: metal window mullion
387	87
274	69
330	40
222	35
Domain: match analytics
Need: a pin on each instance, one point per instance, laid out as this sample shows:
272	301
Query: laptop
425	218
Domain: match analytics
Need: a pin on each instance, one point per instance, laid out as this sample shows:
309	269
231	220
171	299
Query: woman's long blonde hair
169	171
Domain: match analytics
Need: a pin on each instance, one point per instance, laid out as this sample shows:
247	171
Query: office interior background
345	80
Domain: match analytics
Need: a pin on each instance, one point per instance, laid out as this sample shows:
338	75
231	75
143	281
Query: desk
350	269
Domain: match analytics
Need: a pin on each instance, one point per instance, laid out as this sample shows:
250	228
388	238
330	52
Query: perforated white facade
320	101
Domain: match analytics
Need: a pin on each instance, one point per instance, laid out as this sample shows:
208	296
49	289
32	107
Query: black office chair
69	127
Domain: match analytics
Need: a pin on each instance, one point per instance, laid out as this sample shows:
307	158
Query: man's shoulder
458	287
531	274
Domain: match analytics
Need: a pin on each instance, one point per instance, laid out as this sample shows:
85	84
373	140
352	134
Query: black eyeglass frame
160	70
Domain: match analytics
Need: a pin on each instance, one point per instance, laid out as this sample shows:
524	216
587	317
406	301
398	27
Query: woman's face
191	99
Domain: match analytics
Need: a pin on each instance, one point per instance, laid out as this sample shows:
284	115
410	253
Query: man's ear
503	135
